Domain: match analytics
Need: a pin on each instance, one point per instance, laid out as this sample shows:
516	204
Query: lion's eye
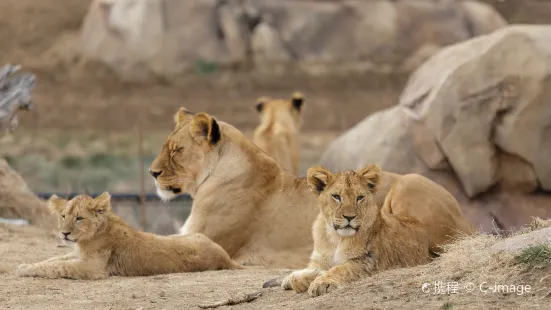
62	216
79	218
360	198
336	197
178	149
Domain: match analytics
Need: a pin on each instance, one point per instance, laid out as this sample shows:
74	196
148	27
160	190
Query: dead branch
15	95
240	299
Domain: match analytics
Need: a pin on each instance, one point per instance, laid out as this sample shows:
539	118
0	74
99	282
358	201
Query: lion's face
181	161
282	108
346	198
80	218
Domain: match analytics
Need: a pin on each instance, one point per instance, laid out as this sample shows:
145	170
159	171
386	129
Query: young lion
106	245
353	237
276	135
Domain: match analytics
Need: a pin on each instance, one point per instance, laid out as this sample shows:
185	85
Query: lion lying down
106	245
261	214
353	237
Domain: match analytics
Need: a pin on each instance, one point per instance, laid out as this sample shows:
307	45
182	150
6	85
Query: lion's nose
349	218
155	174
65	234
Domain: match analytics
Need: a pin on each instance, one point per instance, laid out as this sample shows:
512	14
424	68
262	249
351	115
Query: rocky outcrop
477	118
18	202
168	37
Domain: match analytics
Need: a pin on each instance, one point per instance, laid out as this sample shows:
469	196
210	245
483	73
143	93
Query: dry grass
469	258
537	256
468	261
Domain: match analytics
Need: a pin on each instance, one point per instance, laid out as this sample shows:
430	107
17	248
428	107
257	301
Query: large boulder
167	37
138	37
477	118
18	202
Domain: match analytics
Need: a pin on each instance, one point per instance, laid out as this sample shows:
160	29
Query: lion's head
346	198
187	151
281	108
80	218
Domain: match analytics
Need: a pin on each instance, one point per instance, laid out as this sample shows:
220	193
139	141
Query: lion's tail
276	282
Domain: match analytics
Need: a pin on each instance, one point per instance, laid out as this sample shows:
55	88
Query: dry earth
72	95
397	289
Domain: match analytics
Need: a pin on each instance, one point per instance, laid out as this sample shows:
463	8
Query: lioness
276	135
258	212
106	245
353	238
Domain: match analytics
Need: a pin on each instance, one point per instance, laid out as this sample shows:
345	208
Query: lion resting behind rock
106	245
277	133
353	237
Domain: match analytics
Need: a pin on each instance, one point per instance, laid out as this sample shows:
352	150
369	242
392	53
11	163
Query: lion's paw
23	270
297	281
286	283
321	286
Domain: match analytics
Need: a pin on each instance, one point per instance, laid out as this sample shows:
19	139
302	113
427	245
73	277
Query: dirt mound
468	276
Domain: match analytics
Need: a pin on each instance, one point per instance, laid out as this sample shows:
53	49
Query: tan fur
105	245
277	134
368	241
261	214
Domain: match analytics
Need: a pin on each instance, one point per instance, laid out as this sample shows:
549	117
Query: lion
105	245
259	213
280	122
353	237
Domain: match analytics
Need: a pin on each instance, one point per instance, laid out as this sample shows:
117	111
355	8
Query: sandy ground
72	96
397	289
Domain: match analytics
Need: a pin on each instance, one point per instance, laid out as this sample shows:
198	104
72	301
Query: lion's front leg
71	269
300	280
336	277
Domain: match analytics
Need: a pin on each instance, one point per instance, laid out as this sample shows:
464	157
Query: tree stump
15	96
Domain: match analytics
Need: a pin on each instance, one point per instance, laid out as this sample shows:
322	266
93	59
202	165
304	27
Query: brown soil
397	289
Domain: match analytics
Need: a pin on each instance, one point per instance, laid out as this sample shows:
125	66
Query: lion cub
353	238
105	245
280	122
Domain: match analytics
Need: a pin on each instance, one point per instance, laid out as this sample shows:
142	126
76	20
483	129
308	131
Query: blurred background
111	73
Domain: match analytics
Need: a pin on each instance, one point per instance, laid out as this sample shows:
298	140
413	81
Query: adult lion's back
431	204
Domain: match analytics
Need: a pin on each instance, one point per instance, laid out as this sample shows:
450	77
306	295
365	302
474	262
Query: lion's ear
102	203
318	178
182	115
204	127
372	175
297	100
260	102
56	204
